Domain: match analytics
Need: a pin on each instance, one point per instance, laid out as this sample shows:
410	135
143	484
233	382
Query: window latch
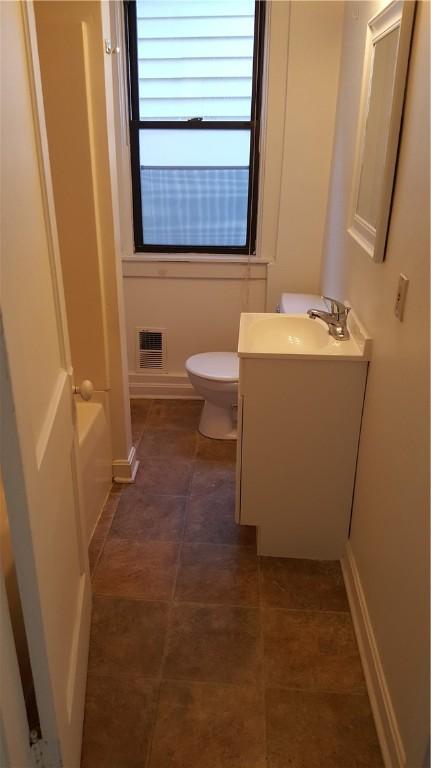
110	48
194	120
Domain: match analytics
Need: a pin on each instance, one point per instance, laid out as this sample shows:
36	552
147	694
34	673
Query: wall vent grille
151	349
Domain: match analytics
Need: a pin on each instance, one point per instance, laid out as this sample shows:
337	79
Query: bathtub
95	458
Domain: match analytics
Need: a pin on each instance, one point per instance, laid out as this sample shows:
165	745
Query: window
194	98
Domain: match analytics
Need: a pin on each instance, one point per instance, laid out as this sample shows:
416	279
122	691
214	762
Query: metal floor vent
150	349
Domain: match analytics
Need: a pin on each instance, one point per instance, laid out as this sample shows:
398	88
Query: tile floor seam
137	599
124	677
214	683
132	598
146	541
187	497
164	653
317	691
234	545
158	457
176	507
165	495
143	425
105	537
160	679
251	606
192	474
166	643
306	610
148	413
153	722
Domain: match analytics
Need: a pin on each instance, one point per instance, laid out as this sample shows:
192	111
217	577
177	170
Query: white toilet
214	376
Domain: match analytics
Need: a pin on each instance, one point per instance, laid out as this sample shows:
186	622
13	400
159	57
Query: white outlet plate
400	299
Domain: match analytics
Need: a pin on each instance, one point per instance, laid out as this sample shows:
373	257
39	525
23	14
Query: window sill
204	258
194	266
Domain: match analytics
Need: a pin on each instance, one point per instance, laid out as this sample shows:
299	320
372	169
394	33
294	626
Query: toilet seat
216	366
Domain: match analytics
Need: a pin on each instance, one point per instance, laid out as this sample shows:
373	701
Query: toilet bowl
214	376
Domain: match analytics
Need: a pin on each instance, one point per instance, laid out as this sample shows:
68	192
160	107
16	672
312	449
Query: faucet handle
337	307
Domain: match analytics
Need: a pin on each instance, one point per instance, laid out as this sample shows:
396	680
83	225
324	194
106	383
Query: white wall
390	523
312	35
201	309
198	305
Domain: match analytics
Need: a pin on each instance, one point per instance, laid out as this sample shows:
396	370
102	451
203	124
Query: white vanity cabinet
298	430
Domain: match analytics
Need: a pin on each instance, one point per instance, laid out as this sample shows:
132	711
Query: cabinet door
300	430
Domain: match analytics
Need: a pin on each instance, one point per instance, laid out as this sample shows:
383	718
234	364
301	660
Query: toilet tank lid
223	366
299	302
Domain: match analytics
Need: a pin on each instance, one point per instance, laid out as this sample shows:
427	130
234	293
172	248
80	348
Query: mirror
383	88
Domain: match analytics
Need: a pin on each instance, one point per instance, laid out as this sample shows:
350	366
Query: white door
38	440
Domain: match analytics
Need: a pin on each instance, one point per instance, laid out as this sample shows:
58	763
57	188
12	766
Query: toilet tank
298	303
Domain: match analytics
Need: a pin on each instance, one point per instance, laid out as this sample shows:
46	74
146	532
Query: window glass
195	71
194	187
195	59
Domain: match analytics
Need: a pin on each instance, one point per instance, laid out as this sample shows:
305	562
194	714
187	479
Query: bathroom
201	711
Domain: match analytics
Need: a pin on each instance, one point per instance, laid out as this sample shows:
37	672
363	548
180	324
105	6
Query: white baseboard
124	470
160	386
384	715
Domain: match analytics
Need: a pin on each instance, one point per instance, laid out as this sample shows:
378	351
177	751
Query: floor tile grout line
157	679
223	544
270	607
235	545
194	603
194	460
258	685
199	681
316	691
105	537
163	657
174	602
152	601
160	675
143	426
158	685
168	629
120	493
147	679
147	415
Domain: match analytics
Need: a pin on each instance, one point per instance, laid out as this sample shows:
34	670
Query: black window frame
136	125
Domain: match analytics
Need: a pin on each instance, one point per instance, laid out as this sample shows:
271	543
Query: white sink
297	336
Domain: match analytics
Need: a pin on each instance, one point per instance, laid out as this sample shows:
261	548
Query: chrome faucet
336	318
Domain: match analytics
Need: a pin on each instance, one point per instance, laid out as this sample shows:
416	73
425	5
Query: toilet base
217	423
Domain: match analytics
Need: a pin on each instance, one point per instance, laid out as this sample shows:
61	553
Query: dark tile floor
203	655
